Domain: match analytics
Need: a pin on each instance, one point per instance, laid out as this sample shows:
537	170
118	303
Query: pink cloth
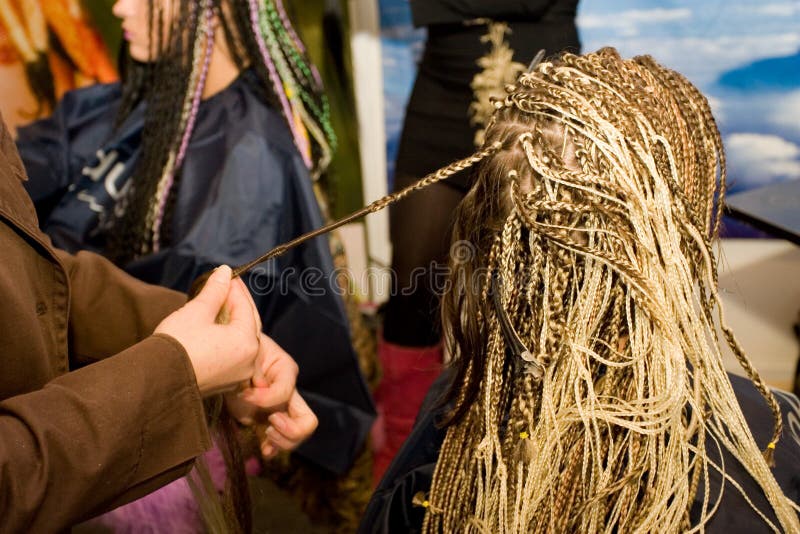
408	373
171	509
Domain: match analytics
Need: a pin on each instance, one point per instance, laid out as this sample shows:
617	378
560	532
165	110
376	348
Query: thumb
212	297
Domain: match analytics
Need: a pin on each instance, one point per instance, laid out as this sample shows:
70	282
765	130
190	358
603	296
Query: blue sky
742	54
701	38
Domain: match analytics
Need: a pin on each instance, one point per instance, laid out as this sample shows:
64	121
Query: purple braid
299	140
198	93
298	43
187	133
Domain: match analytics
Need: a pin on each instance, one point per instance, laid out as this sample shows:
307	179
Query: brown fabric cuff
175	431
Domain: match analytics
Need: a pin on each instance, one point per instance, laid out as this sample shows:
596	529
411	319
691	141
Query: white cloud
747	48
703	59
767	146
627	23
785	111
758	158
717	107
785	9
772	9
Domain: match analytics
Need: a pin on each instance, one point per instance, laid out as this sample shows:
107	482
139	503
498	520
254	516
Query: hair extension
377	205
160	83
204	40
594	223
308	105
300	141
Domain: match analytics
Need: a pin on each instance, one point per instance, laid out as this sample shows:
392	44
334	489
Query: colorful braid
188	119
295	82
297	52
296	40
300	80
299	139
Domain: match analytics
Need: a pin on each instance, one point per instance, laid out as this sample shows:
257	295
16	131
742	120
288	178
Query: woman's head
171	44
588	371
137	31
584	138
151	28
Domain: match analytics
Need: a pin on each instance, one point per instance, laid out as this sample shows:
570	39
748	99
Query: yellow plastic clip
771	445
420	499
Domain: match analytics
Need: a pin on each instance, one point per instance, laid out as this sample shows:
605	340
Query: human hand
287	429
222	355
270	401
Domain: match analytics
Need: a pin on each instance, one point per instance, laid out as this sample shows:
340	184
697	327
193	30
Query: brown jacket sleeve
76	444
110	310
98	437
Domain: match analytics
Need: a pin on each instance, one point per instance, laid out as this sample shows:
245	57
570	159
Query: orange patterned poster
47	47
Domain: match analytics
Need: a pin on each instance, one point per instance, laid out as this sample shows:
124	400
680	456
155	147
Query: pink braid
299	139
187	133
290	30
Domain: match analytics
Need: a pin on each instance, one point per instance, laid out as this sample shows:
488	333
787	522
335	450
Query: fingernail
271	432
276	420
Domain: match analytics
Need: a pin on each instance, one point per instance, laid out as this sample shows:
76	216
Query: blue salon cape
242	190
391	510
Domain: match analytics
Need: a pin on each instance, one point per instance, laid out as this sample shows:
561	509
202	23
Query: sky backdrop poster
744	55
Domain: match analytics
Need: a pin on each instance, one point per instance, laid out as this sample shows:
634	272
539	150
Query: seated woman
587	391
206	154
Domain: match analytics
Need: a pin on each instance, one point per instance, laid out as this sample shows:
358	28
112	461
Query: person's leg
420	236
410	349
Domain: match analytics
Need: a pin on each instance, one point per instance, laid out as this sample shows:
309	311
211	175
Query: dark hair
260	37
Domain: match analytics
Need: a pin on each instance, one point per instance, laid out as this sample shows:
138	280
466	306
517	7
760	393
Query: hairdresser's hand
222	355
288	428
270	400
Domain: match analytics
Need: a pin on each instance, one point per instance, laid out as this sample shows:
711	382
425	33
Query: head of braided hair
589	379
258	35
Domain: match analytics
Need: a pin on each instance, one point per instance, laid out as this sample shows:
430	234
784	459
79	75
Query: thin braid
377	205
161	83
193	101
306	105
309	79
255	20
